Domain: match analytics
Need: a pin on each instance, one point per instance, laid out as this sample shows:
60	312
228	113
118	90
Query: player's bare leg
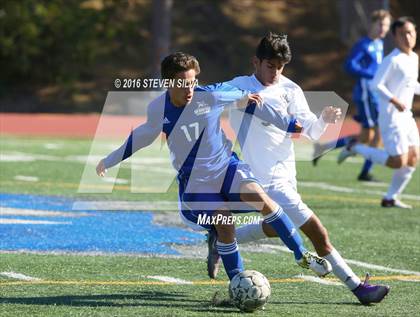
318	235
403	164
371	137
225	232
253	194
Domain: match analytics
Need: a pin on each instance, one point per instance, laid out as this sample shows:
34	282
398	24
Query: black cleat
366	177
389	203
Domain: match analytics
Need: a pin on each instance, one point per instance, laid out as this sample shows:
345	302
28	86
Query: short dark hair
400	23
379	15
178	62
274	46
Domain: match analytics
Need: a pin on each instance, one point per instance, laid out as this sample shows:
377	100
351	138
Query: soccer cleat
366	177
367	293
213	257
388	203
311	261
346	152
318	153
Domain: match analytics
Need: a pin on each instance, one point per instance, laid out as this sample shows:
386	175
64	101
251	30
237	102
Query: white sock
251	232
342	270
377	156
399	181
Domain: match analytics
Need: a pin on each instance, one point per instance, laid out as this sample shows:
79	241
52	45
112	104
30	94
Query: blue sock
367	166
231	258
341	142
286	231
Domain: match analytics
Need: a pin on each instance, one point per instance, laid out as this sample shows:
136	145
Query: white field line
141	164
126	205
169	279
53	146
26	178
118	181
319	280
381	268
22	156
39	213
19	276
354	262
342	189
164	205
7	221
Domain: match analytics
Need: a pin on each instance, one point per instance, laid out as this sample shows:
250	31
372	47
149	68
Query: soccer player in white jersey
395	83
269	151
362	63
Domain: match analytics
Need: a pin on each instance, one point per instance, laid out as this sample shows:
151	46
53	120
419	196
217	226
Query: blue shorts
367	112
215	195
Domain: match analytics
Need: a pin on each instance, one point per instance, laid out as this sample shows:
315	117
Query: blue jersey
362	63
194	136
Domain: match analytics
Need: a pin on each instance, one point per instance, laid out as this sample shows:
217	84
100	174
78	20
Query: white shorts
398	139
286	195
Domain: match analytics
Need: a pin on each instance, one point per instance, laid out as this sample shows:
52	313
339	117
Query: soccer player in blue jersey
362	63
210	175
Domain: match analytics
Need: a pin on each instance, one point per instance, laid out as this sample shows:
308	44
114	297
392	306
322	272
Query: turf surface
102	285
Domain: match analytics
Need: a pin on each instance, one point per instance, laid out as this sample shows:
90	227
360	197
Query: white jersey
266	149
396	77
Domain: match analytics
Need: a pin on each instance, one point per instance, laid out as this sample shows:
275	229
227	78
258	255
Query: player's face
268	71
380	28
405	37
181	96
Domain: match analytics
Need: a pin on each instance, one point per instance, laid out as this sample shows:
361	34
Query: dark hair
379	15
400	23
274	46
178	62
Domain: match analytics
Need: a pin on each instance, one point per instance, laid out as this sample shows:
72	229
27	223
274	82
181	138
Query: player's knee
251	188
397	161
413	159
252	192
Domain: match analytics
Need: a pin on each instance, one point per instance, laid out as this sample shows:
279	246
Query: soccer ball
249	290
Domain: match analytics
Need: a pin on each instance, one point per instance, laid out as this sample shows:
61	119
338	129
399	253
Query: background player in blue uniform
209	174
362	63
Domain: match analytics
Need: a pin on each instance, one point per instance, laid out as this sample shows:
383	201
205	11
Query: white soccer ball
249	290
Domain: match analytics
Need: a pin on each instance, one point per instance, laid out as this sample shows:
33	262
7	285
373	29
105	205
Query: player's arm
312	126
379	84
226	95
268	113
353	63
140	137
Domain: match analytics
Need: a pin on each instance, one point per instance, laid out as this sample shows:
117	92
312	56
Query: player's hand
255	98
298	128
331	114
248	100
398	104
100	168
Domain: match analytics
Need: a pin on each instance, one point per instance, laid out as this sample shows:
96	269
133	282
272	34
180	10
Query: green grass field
120	285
